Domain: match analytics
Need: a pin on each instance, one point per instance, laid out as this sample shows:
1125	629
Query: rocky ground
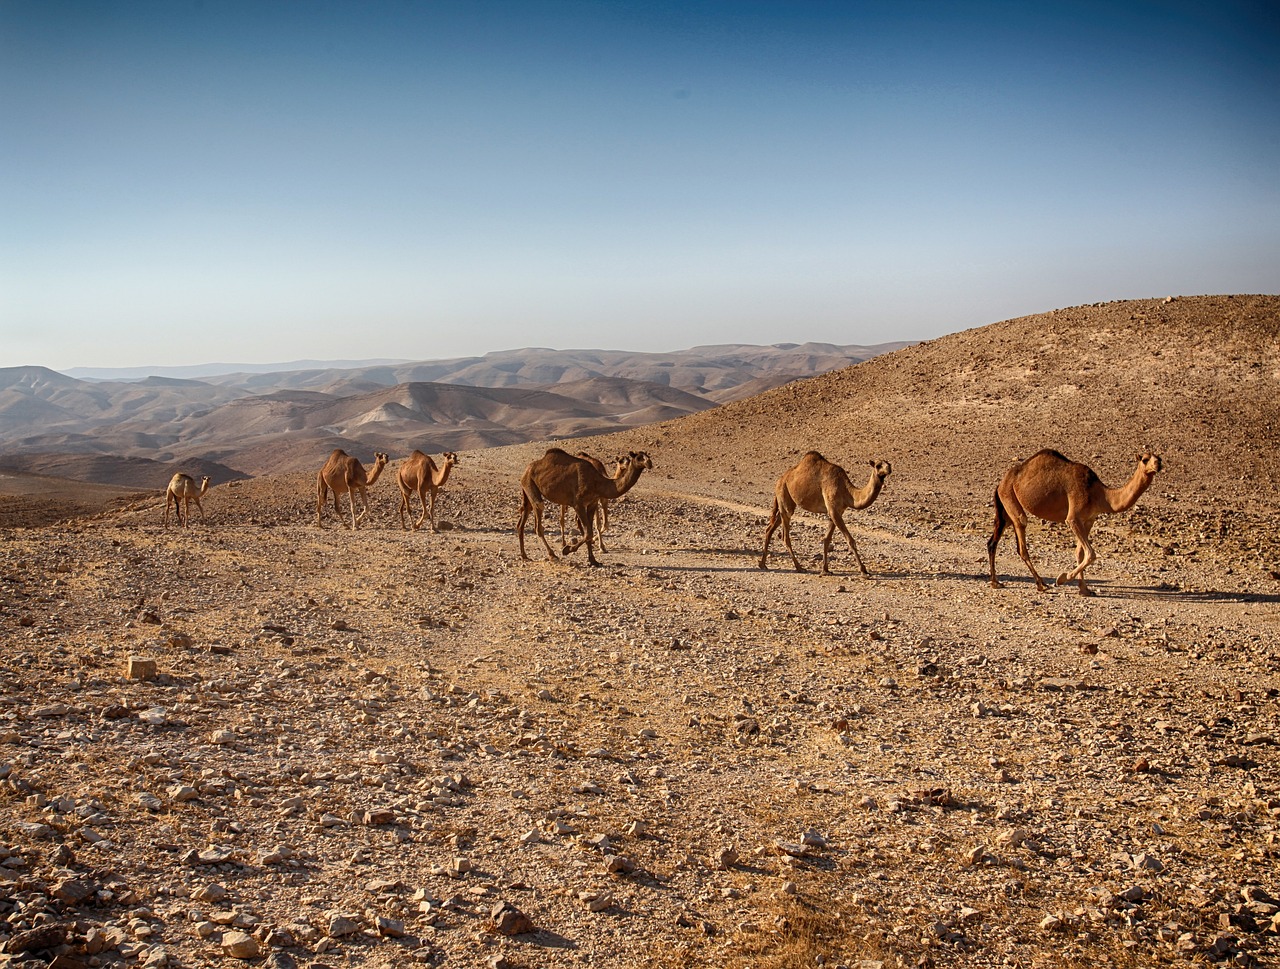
388	748
262	740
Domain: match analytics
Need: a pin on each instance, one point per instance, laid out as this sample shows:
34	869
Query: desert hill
254	422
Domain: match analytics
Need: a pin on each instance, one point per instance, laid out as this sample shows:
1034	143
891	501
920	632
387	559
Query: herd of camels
1046	485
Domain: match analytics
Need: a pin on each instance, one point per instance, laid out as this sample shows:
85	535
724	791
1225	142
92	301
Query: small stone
619	865
793	850
213	892
506	919
32	940
139	668
389	928
341	927
73	891
240	945
223	737
149	802
1148	862
596	901
724	859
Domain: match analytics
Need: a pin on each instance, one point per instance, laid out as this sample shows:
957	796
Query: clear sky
184	182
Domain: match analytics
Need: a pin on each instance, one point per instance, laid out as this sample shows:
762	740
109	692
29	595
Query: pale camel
344	475
818	486
1051	487
602	509
419	475
182	488
562	479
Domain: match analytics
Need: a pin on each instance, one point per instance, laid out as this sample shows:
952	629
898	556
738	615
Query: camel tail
1001	523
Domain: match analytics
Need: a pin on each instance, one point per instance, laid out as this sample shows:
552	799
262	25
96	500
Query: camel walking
419	475
818	486
1056	489
560	478
344	475
602	509
182	488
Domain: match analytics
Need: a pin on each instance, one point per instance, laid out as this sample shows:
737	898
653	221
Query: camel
818	486
182	488
602	509
343	474
1051	487
563	479
419	474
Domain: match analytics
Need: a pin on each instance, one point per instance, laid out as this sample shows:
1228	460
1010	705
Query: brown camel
1051	487
419	475
818	486
602	509
562	479
344	475
182	488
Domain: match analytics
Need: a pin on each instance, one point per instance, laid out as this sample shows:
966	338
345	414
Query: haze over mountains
135	431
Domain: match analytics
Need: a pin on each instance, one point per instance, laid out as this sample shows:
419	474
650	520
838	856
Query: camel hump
1053	454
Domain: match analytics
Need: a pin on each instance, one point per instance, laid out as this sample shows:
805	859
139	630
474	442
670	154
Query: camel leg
528	504
201	507
786	536
525	507
774	520
351	498
602	523
1024	552
852	545
168	497
587	517
1085	557
537	527
826	546
431	517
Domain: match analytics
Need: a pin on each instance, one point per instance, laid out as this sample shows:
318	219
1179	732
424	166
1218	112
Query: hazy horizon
190	182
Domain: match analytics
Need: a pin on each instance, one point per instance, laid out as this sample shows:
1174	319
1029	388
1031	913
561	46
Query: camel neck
862	497
1123	498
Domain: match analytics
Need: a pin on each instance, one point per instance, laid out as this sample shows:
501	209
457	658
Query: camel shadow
1161	591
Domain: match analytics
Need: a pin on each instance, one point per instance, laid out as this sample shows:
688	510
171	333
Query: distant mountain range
136	427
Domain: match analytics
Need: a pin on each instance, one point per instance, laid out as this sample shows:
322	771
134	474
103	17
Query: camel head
1150	463
204	484
450	457
881	469
641	458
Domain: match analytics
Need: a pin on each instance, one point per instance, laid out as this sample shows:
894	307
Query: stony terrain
387	748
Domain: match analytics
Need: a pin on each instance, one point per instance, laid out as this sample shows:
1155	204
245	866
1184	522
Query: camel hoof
1062	579
1086	591
1041	587
996	585
762	565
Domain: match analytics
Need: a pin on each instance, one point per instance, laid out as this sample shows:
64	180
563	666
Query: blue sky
184	182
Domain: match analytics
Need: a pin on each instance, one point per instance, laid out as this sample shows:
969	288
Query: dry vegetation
372	741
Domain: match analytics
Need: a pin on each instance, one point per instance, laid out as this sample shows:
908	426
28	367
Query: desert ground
266	740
